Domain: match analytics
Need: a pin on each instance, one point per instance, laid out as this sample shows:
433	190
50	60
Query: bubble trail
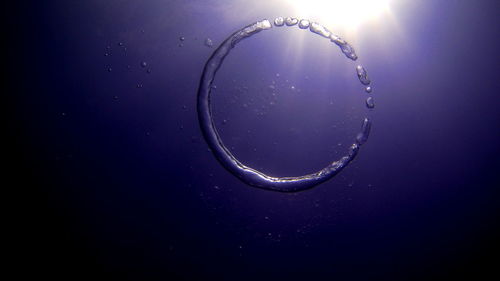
362	75
247	174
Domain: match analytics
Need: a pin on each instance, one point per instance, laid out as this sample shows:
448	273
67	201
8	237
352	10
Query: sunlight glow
346	14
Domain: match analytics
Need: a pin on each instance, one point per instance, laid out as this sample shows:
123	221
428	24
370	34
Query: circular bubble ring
247	174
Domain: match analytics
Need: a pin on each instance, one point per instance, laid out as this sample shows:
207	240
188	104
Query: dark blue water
117	182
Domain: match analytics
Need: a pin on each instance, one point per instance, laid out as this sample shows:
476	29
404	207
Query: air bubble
182	38
347	49
209	43
368	89
247	32
247	174
144	64
279	21
362	75
291	21
303	23
366	126
370	103
320	30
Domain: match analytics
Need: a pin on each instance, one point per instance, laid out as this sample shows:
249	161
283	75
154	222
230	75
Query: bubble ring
247	174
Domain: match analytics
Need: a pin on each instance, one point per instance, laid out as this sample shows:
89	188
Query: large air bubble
226	158
347	49
319	29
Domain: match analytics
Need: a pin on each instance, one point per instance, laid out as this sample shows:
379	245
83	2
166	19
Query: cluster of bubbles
223	154
208	42
345	47
123	48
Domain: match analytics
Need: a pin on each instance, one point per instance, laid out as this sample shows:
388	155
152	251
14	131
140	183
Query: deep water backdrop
114	181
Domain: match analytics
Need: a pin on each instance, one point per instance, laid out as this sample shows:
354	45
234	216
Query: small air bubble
303	23
370	103
208	42
279	21
144	64
368	89
182	38
291	21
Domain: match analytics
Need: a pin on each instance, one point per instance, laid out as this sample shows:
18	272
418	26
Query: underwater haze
119	179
